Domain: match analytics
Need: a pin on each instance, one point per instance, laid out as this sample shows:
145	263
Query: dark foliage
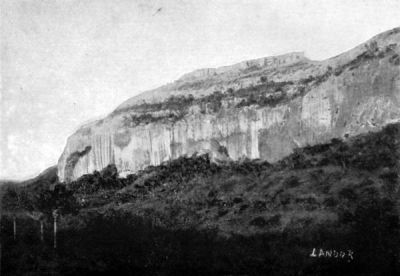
366	152
90	183
268	93
372	52
45	201
179	171
356	180
117	242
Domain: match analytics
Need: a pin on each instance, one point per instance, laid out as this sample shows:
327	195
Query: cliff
262	108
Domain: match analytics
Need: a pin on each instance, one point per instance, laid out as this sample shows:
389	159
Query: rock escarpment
262	108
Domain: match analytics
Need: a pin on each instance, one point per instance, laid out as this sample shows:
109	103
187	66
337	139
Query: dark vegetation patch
259	222
167	219
133	120
117	242
172	103
74	158
266	93
372	51
176	108
365	152
395	59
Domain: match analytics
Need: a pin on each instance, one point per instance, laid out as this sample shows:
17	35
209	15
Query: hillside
193	216
259	109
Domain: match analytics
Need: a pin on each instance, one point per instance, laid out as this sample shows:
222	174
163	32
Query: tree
16	199
59	198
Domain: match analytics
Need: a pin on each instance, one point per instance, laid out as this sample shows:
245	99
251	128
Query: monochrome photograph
200	137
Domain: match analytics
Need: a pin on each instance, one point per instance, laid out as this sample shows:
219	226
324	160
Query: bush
291	182
376	234
259	222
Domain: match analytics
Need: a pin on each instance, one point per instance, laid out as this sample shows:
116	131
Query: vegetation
172	103
176	107
371	52
266	93
193	216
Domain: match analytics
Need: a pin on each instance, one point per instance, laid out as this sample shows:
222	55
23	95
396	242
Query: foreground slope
191	216
262	109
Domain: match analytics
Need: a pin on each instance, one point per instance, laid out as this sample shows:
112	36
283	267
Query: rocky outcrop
263	109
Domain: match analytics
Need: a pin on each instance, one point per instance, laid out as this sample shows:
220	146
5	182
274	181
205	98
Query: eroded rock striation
261	108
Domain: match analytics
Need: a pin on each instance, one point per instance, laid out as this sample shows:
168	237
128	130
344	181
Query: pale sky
64	62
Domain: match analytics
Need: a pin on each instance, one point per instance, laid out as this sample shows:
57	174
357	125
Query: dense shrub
23	200
184	216
291	182
259	222
366	152
117	242
91	183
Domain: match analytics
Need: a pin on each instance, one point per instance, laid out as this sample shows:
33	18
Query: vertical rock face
298	102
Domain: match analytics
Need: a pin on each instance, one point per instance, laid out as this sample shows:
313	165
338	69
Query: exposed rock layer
355	92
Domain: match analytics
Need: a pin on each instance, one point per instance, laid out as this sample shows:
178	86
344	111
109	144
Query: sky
65	62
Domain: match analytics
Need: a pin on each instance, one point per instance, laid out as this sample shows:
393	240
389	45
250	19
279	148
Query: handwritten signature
332	253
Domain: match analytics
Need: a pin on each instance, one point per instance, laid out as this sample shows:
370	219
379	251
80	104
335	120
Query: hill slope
193	216
257	109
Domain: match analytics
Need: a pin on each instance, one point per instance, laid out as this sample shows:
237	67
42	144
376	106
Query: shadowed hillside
249	217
